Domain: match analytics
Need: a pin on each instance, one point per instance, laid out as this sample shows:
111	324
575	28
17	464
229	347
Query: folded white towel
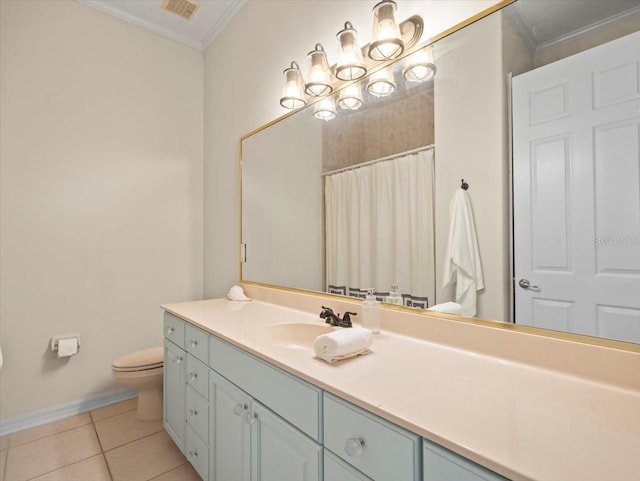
237	294
343	343
447	308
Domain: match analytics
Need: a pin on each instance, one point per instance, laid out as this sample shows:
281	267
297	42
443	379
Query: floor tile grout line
133	441
63	467
44	437
172	469
104	458
109	417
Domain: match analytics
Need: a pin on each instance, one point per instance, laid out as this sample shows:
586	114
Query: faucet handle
346	319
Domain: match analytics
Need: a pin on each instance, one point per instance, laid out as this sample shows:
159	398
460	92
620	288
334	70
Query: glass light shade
381	83
350	97
386	39
325	109
293	88
420	66
350	64
318	76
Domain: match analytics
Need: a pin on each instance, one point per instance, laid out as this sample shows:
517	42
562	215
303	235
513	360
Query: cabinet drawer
174	329
197	414
374	446
293	399
440	463
197	453
198	376
196	342
337	470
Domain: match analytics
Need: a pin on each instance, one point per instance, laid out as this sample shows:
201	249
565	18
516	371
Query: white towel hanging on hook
462	260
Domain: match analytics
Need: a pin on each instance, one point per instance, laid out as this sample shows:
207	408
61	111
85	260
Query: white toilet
142	371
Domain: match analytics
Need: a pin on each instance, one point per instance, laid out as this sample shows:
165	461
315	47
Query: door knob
525	284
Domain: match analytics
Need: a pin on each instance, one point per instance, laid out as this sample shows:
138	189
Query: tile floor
107	444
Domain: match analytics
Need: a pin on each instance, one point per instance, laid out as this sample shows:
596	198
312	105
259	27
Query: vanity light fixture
325	109
350	65
293	88
420	66
381	83
350	97
318	76
386	40
390	40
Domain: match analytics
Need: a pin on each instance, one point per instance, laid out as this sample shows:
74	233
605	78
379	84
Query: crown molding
220	24
589	29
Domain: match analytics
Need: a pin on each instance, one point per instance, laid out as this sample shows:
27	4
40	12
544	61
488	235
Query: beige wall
101	194
243	74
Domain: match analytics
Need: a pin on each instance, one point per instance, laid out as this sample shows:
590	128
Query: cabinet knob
354	446
191	455
192	376
170	330
239	408
249	418
194	344
178	359
193	412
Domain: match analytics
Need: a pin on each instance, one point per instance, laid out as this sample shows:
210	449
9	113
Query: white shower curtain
379	228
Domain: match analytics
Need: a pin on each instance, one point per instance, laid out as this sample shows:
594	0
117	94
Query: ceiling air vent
184	8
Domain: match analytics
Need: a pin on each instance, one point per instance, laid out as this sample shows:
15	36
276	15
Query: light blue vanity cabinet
186	391
174	371
197	417
239	418
440	464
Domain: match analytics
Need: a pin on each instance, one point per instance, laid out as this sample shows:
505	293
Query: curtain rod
371	162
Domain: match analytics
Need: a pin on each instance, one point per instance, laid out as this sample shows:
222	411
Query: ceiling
198	32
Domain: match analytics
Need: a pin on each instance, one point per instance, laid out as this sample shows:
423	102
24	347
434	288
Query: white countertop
520	420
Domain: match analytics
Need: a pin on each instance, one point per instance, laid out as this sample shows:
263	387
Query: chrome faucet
332	318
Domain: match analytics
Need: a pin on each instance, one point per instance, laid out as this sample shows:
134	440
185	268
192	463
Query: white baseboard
44	416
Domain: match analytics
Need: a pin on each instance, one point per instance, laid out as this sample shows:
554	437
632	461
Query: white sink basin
292	335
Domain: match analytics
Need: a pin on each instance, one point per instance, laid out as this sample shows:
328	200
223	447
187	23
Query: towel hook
464	185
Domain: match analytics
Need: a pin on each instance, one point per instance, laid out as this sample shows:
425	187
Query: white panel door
576	175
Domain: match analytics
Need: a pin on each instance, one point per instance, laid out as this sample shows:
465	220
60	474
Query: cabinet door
279	451
230	433
174	388
440	464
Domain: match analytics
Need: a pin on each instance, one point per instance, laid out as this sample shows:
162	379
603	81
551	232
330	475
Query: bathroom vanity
245	398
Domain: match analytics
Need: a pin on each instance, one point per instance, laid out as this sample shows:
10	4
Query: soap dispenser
371	312
394	296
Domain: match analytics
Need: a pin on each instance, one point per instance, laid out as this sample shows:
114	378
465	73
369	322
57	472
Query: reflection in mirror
362	181
466	118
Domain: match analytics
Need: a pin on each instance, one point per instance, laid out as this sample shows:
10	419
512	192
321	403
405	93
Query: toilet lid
140	360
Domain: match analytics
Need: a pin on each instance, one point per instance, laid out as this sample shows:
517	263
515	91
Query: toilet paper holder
55	340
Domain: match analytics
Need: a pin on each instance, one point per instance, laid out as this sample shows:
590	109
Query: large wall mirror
363	199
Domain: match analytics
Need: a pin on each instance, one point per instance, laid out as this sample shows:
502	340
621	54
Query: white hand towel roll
343	343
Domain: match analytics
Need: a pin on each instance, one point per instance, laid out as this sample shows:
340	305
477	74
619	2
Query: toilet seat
144	360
